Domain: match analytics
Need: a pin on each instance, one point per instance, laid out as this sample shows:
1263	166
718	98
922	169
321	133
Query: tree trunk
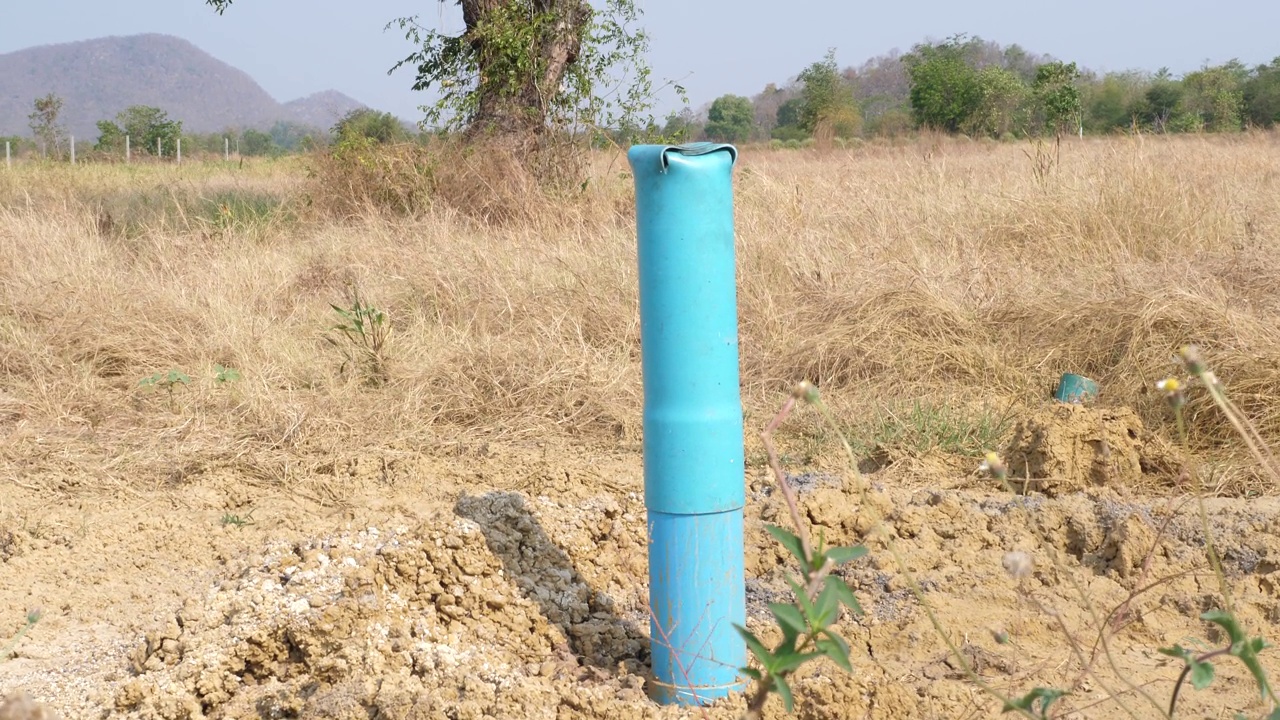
519	111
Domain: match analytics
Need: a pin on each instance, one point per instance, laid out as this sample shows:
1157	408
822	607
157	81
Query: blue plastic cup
1076	389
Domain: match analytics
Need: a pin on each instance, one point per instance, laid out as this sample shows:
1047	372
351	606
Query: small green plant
1200	668
239	521
166	381
366	330
1027	704
33	617
223	375
806	624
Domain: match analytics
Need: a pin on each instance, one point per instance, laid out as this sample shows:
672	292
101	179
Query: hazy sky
296	47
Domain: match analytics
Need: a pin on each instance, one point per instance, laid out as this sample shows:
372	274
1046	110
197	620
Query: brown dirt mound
1066	448
478	614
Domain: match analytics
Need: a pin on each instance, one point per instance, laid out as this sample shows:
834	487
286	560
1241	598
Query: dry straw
941	271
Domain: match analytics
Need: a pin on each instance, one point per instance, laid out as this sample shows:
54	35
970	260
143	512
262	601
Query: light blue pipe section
693	441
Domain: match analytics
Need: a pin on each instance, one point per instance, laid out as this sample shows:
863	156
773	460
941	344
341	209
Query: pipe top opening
698	148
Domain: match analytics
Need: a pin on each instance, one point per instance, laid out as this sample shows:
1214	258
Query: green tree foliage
1160	103
145	125
787	121
45	125
1214	97
1114	102
110	137
1057	97
730	119
1262	95
945	89
1001	107
255	143
367	124
827	108
789	112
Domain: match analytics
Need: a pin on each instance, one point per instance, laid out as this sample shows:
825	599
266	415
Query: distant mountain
98	78
322	110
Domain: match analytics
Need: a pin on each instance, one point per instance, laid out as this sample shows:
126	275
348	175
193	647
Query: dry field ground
459	532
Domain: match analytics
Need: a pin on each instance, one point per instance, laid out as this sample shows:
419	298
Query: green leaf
1275	714
789	618
802	597
757	648
1176	651
1259	675
827	606
1242	647
789	541
790	661
842	555
1027	702
844	594
834	647
1201	674
752	673
1228	623
784	692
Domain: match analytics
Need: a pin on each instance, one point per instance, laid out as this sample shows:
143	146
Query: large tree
827	108
521	68
730	119
945	90
1059	98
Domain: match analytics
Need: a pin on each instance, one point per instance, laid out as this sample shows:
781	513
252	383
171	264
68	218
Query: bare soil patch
513	584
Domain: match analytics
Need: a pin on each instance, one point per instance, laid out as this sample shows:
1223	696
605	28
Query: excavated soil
510	582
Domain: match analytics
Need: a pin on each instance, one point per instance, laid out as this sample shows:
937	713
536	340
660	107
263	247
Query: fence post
8	159
693	428
128	152
73	149
179	151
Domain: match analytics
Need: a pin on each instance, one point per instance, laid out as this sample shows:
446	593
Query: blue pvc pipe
693	443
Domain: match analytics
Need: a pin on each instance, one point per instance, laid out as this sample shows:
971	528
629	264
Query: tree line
966	85
151	132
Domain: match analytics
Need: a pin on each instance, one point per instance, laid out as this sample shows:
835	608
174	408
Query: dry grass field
284	527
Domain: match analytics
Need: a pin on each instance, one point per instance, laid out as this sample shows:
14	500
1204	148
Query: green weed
239	521
223	375
366	330
33	617
166	381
